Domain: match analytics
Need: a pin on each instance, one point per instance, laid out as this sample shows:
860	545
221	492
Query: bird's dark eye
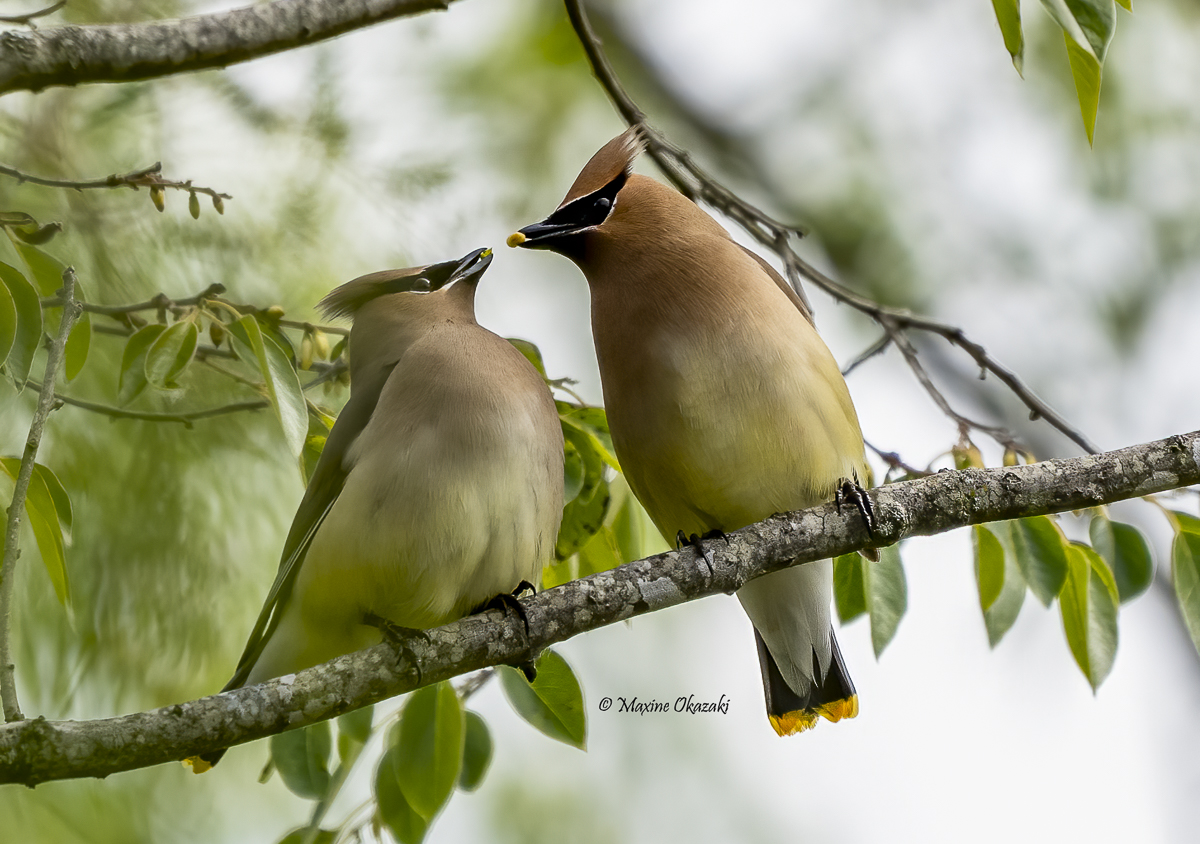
421	285
603	203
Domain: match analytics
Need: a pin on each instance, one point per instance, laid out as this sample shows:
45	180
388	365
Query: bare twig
692	181
876	348
147	177
894	461
54	356
27	18
35	751
159	302
74	55
186	419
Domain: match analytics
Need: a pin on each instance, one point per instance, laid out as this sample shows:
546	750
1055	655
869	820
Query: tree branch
35	751
147	177
71	312
698	185
73	55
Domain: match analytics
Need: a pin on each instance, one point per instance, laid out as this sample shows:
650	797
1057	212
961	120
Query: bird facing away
440	485
724	404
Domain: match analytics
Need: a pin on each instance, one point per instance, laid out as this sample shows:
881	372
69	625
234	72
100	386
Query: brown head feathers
613	159
346	300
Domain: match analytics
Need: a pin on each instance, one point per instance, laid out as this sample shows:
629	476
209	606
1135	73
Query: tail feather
831	697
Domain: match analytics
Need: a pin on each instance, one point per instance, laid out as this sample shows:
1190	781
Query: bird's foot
850	492
696	543
509	602
399	637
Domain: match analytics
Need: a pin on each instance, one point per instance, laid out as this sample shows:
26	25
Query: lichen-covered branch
73	55
35	751
54	357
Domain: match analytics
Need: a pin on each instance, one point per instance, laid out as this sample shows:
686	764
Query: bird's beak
472	266
539	234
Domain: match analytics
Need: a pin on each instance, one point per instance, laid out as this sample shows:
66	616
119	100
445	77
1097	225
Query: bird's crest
613	159
344	301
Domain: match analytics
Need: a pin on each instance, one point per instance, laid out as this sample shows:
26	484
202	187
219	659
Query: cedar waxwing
440	486
725	406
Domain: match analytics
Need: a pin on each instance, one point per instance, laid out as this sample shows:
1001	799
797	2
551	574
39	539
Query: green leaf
395	812
314	444
1127	5
584	516
1089	23
1125	550
593	423
1086	71
477	752
133	362
8	322
989	565
1183	521
354	728
357	724
29	324
170	353
430	743
46	270
1185	569
887	596
1041	554
79	343
283	385
302	758
553	703
849	586
1008	15
300	835
630	524
46	525
58	494
1000	616
573	472
532	354
1088	27
1088	603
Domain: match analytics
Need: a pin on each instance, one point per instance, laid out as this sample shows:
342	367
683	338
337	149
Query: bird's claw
398	637
850	492
509	602
696	542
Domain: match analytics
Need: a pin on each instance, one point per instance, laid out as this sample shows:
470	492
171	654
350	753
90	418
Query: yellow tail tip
839	709
790	723
515	239
198	765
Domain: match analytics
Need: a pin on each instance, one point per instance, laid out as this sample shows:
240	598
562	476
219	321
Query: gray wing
323	489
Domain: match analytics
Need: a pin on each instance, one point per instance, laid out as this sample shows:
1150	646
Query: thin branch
74	55
32	752
894	461
54	356
185	419
158	302
996	432
147	177
28	18
696	184
876	348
